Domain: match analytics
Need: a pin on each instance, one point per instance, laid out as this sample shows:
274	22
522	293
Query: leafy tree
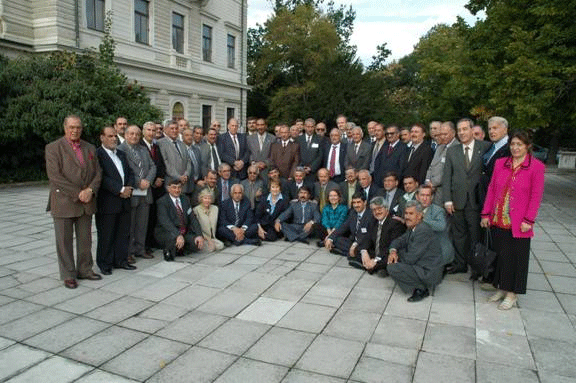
379	60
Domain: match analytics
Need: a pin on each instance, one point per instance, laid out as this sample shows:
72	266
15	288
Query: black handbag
482	258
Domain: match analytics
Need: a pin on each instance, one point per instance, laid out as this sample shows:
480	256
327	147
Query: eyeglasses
252	173
390	133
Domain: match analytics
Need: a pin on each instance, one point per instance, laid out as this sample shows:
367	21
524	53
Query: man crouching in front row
177	229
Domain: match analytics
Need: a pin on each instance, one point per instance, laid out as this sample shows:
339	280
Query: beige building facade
189	54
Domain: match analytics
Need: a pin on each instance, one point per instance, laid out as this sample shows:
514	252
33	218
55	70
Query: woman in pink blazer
510	208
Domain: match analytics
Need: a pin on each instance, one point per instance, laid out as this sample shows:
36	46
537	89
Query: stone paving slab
281	312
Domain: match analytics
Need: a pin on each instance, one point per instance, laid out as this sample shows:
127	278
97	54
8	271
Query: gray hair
498	120
148	123
235	186
379	201
223	166
205	192
357	128
415	204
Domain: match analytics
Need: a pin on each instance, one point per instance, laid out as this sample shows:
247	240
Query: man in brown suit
74	174
284	154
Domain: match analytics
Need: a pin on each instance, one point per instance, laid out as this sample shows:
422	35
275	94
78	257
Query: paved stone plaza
277	313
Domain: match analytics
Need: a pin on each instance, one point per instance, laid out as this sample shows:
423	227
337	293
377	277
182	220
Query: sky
399	23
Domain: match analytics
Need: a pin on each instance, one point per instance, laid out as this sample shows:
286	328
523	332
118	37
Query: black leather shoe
126	266
418	295
167	255
356	264
106	272
380	265
336	251
320	243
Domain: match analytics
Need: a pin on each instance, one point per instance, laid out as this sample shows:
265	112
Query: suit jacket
68	178
421	247
312	155
419	162
142	166
250	192
525	194
402	202
290	190
488	168
393	206
219	186
264	217
331	185
341	157
295	214
461	184
195	170
228	152
388	162
349	229
285	158
360	160
257	155
177	163
156	156
436	169
109	200
344	190
374	191
208	222
391	229
206	158
227	215
168	223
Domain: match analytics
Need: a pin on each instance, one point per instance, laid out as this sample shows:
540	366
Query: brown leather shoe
70	283
131	259
91	276
145	256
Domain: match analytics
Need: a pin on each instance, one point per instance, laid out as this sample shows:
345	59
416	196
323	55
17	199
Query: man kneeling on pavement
415	262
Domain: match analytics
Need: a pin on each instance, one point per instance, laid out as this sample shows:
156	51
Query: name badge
443	159
314	145
363	230
189	211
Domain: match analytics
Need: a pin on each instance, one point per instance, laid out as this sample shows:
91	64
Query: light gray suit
250	191
436	169
257	155
435	216
206	158
461	187
144	168
177	164
360	160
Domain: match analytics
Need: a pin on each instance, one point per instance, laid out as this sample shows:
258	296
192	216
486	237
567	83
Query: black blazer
388	162
109	200
156	156
227	216
419	162
311	156
344	190
290	191
168	224
262	214
231	181
374	191
227	152
348	227
391	229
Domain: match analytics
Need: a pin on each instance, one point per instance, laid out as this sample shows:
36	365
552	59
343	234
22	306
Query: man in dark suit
210	158
323	187
418	157
236	219
113	216
284	155
193	155
349	186
373	249
225	182
335	156
392	193
415	260
298	221
358	151
410	189
460	188
498	132
74	175
392	155
144	174
345	239
293	186
177	230
377	153
311	150
234	149
366	185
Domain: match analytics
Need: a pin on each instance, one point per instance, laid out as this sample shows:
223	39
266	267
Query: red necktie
181	217
78	152
390	149
333	161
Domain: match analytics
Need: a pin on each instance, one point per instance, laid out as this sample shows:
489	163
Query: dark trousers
65	228
511	272
465	232
168	242
113	239
271	233
226	234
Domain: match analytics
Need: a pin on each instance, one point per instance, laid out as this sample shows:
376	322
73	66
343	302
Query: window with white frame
231	47
141	20
207	43
206	116
95	14
178	32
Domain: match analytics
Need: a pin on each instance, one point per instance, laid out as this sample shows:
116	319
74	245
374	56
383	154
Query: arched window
177	111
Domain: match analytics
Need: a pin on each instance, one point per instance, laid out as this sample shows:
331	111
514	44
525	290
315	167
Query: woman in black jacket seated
268	209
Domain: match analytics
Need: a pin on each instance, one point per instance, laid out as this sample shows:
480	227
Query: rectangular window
178	32
231	51
141	16
95	14
206	117
229	114
207	42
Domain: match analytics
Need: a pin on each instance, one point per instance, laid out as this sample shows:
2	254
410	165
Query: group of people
403	202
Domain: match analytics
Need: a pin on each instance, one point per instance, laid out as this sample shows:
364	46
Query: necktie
308	139
261	141
215	161
303	213
333	161
434	145
181	217
195	165
378	235
356	150
236	148
177	148
225	194
374	154
138	161
411	151
466	158
78	152
489	154
322	200
237	219
358	223
390	149
153	153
